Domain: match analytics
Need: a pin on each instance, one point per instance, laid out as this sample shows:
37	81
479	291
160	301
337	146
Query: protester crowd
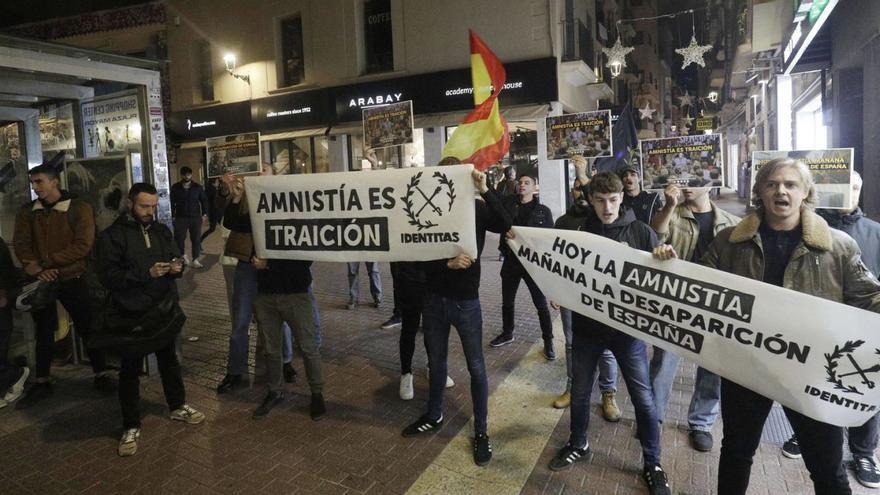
119	287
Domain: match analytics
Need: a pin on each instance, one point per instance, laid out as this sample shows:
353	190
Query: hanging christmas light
617	57
647	112
694	52
684	100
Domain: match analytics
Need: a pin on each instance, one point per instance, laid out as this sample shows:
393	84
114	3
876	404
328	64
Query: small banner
831	169
388	125
586	134
411	214
688	161
236	153
818	357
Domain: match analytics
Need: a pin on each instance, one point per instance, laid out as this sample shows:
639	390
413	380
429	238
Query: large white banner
411	214
815	356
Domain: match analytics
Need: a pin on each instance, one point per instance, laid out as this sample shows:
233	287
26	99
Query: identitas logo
851	372
427	200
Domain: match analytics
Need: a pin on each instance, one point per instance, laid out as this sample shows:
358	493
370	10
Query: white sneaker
17	388
196	264
187	414
449	382
406	387
3	403
187	259
128	444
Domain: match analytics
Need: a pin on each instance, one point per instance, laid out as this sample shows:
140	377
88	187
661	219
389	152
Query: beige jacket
826	263
684	229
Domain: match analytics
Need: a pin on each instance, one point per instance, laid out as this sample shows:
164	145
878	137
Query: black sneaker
228	383
289	373
567	456
272	399
317	408
500	340
422	426
866	471
656	479
701	441
791	448
105	383
482	449
393	322
549	351
35	394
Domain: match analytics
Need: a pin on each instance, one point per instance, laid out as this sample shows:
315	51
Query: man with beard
644	204
139	264
188	204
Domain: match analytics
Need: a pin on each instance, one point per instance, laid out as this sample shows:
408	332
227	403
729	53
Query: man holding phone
139	264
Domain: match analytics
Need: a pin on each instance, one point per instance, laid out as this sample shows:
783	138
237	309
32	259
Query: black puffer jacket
126	251
531	214
625	230
574	217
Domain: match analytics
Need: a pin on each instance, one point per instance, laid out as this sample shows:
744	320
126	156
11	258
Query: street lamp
229	61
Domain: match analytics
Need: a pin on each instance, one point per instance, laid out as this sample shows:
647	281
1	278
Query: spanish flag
482	138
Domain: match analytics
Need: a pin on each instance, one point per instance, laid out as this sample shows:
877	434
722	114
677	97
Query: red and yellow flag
482	138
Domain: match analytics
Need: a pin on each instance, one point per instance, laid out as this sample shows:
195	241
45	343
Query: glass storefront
305	155
408	155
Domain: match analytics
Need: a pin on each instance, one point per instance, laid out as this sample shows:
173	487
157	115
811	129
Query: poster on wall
57	131
586	134
831	169
388	125
236	154
111	126
687	161
103	183
14	190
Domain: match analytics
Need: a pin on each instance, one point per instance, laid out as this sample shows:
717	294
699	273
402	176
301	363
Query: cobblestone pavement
68	445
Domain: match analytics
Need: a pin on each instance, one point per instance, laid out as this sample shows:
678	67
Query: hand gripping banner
818	357
412	214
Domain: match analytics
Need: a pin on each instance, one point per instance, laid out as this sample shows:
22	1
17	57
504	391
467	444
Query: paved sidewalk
69	444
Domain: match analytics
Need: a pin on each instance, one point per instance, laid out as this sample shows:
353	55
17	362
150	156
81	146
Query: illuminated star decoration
686	121
693	53
647	112
684	100
617	54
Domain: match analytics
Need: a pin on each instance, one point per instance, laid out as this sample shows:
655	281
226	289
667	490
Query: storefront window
377	159
295	156
322	154
14	188
810	129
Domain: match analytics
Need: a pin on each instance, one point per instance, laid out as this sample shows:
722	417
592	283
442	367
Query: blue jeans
375	281
705	401
438	314
607	363
244	292
633	360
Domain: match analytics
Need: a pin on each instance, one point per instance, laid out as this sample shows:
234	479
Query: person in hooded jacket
574	219
610	219
526	210
139	264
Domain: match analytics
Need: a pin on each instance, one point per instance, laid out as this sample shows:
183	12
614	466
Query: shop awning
319	131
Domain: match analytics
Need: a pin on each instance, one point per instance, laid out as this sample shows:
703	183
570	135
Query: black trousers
410	298
73	295
8	373
744	413
511	274
130	389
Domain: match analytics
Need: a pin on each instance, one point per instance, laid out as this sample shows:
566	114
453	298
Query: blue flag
624	140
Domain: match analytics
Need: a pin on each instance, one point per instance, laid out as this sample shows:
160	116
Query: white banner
813	355
411	214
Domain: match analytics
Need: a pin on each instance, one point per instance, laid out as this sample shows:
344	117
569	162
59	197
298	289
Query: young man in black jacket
189	204
590	338
138	263
453	299
525	210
